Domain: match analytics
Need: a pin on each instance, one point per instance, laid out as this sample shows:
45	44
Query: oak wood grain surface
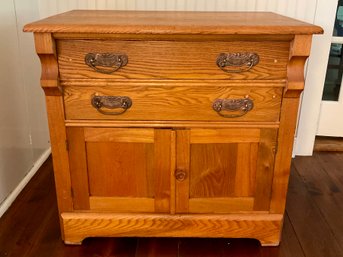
172	60
264	227
82	21
78	165
300	49
172	103
26	230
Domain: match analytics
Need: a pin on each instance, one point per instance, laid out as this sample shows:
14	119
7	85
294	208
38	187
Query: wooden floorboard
322	176
306	214
334	144
312	228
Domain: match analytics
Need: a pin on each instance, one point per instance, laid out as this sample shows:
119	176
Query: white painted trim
315	77
13	195
294	149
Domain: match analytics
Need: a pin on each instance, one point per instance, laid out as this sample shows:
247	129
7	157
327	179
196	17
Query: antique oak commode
172	124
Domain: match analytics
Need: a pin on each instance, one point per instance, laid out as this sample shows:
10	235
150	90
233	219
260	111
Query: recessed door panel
122	169
227	170
118	169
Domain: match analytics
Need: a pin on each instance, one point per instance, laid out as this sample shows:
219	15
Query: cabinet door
224	170
121	169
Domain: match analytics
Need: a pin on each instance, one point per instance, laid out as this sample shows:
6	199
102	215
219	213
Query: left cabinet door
121	169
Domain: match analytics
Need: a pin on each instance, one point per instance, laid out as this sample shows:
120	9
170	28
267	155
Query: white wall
23	123
301	9
28	11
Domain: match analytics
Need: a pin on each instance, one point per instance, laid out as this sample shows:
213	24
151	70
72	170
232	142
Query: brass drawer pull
237	62
241	106
108	60
111	102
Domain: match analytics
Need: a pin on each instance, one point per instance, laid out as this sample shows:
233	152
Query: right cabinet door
224	170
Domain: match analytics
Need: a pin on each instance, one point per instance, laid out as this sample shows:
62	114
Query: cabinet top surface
157	22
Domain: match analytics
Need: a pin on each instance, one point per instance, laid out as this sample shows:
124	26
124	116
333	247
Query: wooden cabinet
172	124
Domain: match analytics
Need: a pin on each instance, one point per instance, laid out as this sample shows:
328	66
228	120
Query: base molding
13	195
264	227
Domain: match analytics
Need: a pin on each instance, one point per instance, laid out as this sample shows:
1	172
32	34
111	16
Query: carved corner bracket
45	48
299	52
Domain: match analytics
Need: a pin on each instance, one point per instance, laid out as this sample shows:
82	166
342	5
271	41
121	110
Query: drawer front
153	102
172	60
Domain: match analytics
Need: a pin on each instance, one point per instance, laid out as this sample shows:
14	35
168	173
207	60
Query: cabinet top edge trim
171	22
173	37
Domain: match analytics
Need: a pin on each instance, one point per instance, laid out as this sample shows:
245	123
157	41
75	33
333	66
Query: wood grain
245	178
171	60
78	167
172	103
212	170
172	172
264	227
182	164
221	205
265	169
162	164
46	50
224	136
121	204
322	176
328	144
54	103
126	174
135	175
168	124
303	206
289	113
119	135
139	22
173	37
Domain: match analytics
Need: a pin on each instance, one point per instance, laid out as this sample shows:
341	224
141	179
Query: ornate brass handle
111	102
241	106
108	60
180	175
237	62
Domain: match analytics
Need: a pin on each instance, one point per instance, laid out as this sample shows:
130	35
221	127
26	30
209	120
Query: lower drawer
152	101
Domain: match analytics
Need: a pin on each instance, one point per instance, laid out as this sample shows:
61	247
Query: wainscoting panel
300	9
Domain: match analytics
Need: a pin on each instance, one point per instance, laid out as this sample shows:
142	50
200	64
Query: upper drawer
172	60
92	100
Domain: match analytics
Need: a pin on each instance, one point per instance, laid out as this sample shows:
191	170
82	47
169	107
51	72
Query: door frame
315	78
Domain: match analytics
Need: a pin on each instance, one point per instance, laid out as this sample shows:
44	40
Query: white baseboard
13	195
294	151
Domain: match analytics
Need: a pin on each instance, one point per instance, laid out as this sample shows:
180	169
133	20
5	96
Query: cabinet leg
270	243
273	240
73	242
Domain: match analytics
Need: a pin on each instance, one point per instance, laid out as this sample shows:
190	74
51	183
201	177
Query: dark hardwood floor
313	223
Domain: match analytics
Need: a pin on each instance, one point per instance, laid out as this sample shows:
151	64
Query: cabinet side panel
299	51
45	48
